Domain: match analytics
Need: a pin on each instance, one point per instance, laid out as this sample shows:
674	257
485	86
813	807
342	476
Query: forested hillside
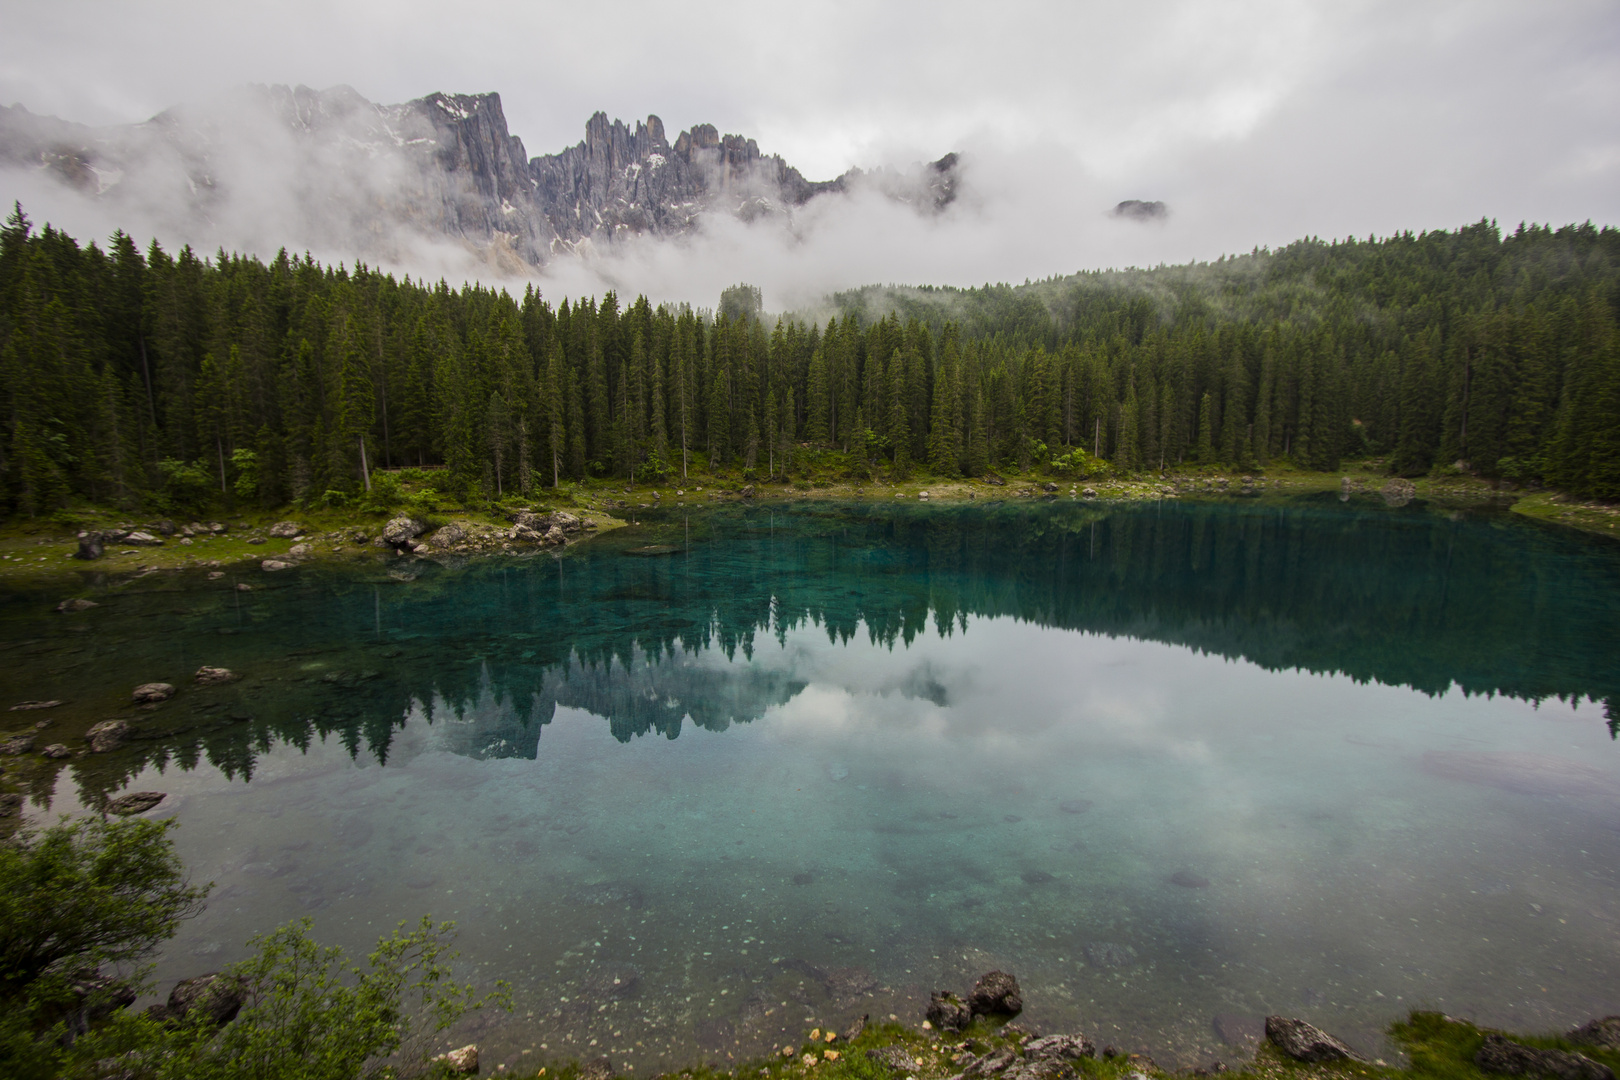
166	380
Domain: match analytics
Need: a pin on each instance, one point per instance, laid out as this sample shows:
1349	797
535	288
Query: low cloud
1256	124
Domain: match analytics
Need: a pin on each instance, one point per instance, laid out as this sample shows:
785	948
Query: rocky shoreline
978	1036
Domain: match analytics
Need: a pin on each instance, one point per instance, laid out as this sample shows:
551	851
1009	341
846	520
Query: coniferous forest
172	381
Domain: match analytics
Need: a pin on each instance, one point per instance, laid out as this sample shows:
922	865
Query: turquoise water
1163	762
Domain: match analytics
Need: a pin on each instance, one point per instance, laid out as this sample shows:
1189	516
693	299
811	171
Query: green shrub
188	488
312	1015
74	898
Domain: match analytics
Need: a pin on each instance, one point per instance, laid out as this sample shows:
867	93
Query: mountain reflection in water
1406	597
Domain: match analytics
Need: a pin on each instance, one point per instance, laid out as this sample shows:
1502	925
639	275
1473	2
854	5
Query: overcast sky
1258	122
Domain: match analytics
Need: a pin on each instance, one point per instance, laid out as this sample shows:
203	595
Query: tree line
166	379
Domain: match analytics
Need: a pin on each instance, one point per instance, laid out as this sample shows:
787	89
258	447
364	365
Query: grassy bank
45	545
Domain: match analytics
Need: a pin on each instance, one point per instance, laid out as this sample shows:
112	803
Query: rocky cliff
329	166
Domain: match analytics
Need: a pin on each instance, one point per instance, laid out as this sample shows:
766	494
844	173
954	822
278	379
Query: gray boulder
402	530
947	1012
301	551
993	1063
996	994
17	744
56	750
1303	1042
90	546
285	530
1504	1056
141	539
596	1069
446	535
210	676
68	607
1604	1033
107	735
96	997
1065	1047
211	999
272	565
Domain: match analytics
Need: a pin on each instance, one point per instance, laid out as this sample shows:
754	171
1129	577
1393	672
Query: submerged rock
68	607
107	735
56	750
1303	1042
996	994
1239	1031
596	1069
210	676
28	706
1075	806
849	983
612	980
461	1061
147	693
1503	1055
136	802
608	894
1189	880
273	565
1109	954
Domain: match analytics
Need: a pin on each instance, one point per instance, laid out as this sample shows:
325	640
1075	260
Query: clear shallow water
1164	763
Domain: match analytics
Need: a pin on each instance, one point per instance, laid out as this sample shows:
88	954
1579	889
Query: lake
701	783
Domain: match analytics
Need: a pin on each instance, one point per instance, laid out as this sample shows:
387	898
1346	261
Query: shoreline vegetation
70	974
49	547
